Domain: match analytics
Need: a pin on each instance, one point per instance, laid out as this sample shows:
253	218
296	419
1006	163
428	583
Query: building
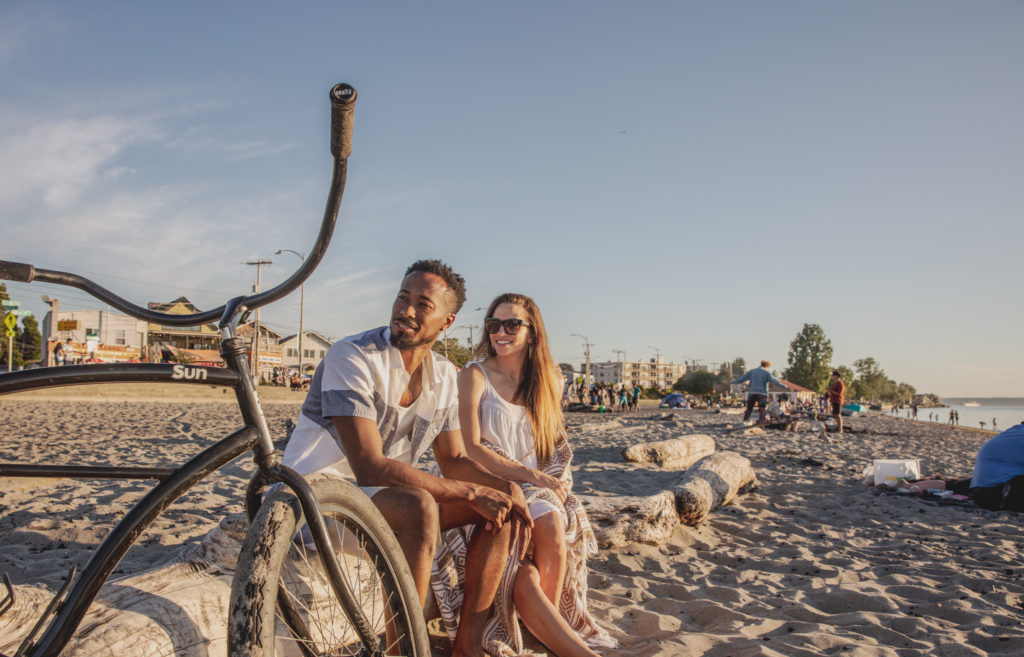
314	348
654	373
203	337
271	359
96	336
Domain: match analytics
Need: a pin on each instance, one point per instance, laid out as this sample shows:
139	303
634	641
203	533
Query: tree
31	339
698	383
871	381
847	376
739	367
810	353
458	354
16	360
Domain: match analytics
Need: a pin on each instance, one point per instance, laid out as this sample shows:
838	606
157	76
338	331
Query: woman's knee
548	534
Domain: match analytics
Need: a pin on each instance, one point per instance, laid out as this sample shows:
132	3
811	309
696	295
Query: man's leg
413	516
761	400
750	407
486	556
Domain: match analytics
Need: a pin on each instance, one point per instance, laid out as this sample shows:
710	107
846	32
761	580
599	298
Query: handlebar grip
16	271
343	104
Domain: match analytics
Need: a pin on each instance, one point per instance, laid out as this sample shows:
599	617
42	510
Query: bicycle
290	580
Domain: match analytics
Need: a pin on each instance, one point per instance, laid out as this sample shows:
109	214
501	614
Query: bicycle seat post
232	350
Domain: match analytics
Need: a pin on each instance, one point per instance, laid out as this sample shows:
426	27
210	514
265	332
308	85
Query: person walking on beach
759	378
513	427
836	393
378	401
951	416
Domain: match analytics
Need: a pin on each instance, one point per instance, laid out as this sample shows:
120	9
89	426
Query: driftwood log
712	482
675	454
620	521
179	608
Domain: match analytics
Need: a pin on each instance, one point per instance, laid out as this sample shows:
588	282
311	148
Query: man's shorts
837	408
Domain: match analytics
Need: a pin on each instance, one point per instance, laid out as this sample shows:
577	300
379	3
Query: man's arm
456	464
363	447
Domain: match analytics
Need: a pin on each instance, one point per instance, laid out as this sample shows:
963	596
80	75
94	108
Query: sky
694	181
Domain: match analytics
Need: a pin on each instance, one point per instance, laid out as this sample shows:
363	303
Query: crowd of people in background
601	396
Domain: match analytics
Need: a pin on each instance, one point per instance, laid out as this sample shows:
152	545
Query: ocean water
1007	411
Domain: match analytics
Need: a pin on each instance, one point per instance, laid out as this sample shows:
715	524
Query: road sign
22	313
10	322
10	333
7	303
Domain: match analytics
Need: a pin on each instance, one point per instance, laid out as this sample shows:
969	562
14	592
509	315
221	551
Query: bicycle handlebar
343	101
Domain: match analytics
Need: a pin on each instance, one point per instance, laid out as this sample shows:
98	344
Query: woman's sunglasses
493	324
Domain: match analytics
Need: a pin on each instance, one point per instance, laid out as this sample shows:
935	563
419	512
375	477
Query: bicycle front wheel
281	601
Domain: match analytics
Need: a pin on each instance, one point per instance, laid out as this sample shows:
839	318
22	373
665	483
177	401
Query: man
759	378
836	392
378	401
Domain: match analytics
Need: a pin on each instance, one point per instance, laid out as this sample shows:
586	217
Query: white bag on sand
890	471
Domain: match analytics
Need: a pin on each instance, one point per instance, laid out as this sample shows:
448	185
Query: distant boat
972	403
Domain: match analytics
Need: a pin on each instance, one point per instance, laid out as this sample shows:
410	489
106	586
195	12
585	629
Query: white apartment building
651	373
314	348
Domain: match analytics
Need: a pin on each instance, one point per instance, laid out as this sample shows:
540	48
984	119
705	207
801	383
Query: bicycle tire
275	560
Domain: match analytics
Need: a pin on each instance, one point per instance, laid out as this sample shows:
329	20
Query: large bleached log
711	482
178	608
623	520
675	454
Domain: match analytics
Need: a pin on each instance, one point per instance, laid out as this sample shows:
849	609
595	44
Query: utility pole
622	363
470	327
302	304
52	330
255	353
587	345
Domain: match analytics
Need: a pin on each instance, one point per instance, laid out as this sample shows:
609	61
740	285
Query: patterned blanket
502	636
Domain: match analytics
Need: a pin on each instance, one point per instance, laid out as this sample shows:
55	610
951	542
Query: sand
810	563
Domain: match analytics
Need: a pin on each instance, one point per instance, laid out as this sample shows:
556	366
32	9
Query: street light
587	346
302	304
622	363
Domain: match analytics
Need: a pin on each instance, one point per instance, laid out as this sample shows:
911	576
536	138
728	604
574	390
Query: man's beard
408	343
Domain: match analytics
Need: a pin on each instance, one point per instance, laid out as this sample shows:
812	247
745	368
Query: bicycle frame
173	482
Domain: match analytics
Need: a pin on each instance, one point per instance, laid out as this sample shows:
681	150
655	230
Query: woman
510	413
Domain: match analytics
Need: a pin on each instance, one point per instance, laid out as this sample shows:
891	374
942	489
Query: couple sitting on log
513	536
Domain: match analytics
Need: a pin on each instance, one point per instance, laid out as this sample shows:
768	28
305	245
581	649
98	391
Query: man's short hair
836	373
456	283
765	363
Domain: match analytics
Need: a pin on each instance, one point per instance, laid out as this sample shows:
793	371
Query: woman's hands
498	508
547	481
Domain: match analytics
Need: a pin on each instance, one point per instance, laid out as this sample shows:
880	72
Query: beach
812	562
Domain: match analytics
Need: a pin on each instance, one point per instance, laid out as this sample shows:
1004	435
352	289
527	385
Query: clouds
57	160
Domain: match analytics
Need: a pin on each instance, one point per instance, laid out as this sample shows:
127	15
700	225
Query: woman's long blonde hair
539	388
